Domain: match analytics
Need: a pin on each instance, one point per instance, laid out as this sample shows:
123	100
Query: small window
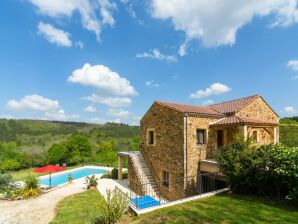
165	179
255	137
200	136
151	140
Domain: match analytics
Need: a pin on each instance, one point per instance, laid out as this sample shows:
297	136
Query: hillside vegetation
27	143
288	131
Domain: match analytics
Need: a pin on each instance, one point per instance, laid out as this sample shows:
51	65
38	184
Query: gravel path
39	210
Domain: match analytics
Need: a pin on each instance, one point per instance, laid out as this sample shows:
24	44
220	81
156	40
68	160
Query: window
254	136
200	136
150	137
165	179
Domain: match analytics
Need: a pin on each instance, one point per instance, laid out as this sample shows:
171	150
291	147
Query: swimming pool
62	178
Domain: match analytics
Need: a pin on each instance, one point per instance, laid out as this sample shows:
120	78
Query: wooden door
219	138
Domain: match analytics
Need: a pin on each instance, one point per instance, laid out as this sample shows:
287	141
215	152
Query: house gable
259	109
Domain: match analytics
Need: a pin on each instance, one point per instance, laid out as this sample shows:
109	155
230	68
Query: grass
225	208
221	209
78	209
21	174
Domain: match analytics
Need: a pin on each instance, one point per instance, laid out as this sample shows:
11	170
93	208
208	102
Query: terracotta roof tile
240	120
191	109
233	106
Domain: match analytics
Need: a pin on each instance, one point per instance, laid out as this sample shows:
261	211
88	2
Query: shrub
269	170
14	193
112	207
31	182
10	164
91	181
114	173
5	180
30	192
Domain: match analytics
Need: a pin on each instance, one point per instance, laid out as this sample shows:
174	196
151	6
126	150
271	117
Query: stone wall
134	182
265	135
258	110
197	152
168	151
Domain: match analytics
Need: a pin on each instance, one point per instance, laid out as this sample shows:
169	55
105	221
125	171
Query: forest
31	143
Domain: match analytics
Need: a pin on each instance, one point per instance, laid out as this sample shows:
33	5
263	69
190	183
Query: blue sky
108	60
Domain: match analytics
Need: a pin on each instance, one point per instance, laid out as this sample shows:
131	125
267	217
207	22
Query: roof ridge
228	101
182	104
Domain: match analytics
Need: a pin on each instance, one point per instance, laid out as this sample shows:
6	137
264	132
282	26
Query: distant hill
39	132
288	131
11	129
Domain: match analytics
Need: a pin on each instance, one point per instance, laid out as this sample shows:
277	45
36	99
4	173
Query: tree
78	148
57	154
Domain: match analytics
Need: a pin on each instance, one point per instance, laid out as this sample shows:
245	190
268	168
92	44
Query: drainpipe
186	150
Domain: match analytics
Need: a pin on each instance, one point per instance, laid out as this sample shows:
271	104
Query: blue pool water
76	174
145	202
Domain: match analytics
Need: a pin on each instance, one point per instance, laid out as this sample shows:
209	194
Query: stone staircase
144	174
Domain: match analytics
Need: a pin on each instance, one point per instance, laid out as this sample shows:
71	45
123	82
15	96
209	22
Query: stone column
276	137
120	164
244	132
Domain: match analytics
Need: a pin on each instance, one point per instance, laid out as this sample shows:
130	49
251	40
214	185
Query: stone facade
259	110
174	132
167	152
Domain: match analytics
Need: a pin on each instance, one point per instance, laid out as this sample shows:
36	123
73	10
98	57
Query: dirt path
40	210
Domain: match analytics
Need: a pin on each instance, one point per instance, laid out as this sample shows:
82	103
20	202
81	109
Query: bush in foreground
112	207
5	180
270	170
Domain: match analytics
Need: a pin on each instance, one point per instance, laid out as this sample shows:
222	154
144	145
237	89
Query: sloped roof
240	120
233	106
191	109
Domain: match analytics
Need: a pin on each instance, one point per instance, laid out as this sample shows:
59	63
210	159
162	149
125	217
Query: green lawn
223	208
78	209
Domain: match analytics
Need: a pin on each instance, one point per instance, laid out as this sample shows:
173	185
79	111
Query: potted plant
70	179
91	182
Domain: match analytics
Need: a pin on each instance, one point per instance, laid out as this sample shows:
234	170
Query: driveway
40	210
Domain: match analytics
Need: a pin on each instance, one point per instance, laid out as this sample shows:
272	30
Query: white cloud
50	108
151	84
100	120
79	44
109	101
207	102
54	35
293	64
216	22
155	54
7	116
119	113
136	120
289	110
88	10
106	81
214	89
60	115
33	102
90	109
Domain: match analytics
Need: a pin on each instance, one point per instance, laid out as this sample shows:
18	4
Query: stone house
178	141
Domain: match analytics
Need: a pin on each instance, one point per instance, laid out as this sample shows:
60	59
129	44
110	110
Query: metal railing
145	195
